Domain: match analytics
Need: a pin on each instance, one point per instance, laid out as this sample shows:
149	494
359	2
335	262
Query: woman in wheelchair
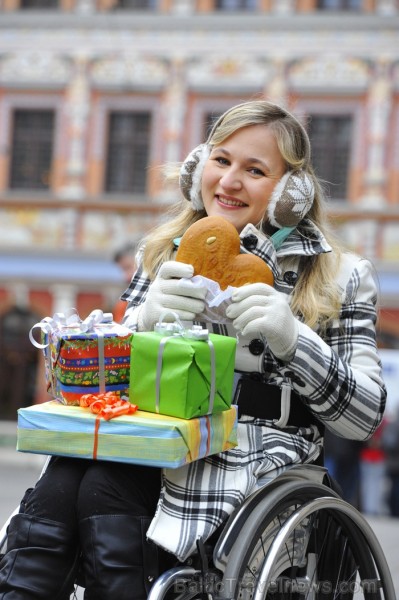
306	359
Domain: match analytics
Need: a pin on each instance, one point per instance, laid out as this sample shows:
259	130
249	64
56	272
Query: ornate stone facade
182	61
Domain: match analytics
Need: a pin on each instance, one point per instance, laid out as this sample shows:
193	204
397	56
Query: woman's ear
191	175
291	199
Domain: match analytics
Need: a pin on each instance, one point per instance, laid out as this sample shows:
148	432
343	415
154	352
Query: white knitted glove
258	309
168	293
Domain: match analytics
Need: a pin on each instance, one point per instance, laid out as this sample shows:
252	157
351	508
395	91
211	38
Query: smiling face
240	175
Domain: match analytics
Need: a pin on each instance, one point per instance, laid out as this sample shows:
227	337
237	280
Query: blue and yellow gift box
142	438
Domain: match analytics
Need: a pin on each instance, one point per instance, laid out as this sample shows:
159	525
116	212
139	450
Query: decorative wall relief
32	67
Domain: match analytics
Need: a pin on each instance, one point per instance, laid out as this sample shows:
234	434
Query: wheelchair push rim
275	555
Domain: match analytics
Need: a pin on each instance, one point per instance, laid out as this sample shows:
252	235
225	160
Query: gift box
182	373
142	438
83	357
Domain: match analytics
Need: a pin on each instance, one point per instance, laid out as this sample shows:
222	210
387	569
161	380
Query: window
330	137
210	120
32	149
340	4
128	151
39	4
236	4
137	4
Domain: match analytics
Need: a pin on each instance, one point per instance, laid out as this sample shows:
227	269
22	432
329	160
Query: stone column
173	112
70	218
183	7
85	6
379	106
19	293
64	297
276	87
77	114
283	6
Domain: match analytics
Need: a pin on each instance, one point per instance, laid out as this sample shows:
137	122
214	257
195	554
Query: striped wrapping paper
142	438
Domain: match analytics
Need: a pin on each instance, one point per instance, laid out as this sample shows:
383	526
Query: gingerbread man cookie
212	246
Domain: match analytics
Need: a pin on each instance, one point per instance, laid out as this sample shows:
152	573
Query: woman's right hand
169	293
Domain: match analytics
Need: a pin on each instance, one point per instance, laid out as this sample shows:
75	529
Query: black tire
325	555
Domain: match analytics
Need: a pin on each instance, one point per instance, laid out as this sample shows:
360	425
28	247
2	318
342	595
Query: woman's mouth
231	202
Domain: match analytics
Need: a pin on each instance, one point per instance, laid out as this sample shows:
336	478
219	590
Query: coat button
299	382
295	378
256	347
290	374
250	241
290	277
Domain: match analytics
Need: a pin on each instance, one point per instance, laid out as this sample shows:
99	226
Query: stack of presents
160	398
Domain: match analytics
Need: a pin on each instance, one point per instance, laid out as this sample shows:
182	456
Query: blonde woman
310	337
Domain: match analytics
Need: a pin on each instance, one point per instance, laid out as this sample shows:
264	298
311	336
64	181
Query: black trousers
72	489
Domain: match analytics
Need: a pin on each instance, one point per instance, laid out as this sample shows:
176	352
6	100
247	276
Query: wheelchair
293	538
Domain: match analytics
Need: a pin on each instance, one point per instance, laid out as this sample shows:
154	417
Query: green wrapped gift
186	374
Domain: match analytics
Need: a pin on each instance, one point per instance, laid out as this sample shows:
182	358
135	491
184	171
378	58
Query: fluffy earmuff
191	175
291	200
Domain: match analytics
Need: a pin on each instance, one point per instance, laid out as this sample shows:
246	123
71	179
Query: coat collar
306	240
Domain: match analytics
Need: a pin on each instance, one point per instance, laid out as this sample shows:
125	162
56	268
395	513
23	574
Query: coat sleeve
340	376
135	296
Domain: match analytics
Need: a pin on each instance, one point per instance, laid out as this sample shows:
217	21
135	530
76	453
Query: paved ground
18	471
387	532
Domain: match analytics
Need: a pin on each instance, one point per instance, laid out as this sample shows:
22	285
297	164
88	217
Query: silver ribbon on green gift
175	329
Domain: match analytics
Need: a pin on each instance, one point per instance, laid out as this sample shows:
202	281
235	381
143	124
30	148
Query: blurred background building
97	95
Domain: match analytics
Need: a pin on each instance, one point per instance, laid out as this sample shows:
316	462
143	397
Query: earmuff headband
291	200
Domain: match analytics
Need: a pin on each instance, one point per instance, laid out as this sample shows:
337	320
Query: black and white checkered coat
338	376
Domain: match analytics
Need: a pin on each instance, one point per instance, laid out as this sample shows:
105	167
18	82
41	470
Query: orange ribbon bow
108	405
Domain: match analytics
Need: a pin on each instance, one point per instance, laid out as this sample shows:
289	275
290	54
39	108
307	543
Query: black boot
40	560
118	560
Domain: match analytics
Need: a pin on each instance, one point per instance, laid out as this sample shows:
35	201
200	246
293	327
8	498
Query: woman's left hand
258	309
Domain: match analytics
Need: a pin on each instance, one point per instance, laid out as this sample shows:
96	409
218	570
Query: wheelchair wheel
307	543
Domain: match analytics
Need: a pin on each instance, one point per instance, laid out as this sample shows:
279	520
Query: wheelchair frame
271	548
294	537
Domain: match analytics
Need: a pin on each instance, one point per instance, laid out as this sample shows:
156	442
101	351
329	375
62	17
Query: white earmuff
291	200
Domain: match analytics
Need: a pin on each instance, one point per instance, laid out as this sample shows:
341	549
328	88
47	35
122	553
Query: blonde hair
316	297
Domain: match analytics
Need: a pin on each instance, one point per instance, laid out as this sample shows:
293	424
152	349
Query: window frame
109	165
197	112
235	9
341	8
58	6
305	109
155	6
13	102
17	183
98	141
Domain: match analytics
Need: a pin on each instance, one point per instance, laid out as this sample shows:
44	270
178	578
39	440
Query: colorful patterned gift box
182	373
84	357
142	438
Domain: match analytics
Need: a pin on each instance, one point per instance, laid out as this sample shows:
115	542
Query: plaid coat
338	377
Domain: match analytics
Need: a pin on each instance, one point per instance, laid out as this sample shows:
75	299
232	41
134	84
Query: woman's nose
231	179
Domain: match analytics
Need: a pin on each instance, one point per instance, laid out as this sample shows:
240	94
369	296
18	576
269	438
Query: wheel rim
277	568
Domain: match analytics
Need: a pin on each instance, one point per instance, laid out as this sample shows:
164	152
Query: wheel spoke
305	540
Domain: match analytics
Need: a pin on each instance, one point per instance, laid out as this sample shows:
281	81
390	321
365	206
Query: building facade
97	95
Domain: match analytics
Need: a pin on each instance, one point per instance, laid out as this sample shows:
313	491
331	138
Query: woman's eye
221	160
256	171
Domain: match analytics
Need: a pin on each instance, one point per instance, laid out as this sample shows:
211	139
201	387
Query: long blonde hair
316	296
